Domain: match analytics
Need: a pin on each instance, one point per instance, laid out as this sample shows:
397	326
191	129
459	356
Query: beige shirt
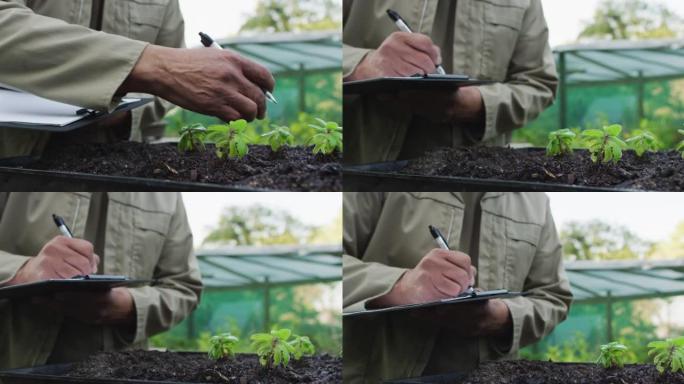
501	40
385	234
146	237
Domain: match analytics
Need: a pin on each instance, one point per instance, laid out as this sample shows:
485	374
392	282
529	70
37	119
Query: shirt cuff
491	99
352	58
503	346
10	266
141	301
129	55
380	278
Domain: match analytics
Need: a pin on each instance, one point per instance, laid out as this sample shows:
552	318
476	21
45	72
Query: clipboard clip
99	277
88	112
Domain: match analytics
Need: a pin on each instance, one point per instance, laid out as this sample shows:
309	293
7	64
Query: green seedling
273	348
668	354
612	355
328	137
302	347
680	146
231	138
192	138
604	144
279	137
643	141
222	346
560	142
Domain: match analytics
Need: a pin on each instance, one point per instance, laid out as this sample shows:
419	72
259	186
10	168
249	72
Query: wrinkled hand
440	274
476	319
60	258
401	54
114	307
209	81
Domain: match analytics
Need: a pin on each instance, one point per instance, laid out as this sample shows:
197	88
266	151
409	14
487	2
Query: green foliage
192	138
560	142
294	15
278	137
273	348
680	146
231	138
630	20
668	355
599	240
605	143
642	141
222	346
612	355
302	346
328	137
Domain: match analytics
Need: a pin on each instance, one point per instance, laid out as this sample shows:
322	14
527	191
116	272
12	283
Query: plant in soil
612	355
192	138
680	146
222	346
231	138
604	143
279	137
668	355
643	141
328	138
276	348
560	142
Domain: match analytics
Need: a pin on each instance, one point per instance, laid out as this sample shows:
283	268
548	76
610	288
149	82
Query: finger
257	74
473	275
82	247
66	271
227	113
94	263
459	259
447	287
256	94
424	44
420	60
403	68
457	275
246	108
83	265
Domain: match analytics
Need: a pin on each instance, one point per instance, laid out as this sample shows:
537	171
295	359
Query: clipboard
431	82
465	298
91	117
88	283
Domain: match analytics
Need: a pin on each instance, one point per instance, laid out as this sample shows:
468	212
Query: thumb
94	262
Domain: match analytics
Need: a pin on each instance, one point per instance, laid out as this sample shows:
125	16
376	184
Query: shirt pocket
503	23
147	19
151	229
522	240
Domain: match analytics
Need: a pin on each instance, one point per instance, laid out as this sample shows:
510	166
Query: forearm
53	59
364	282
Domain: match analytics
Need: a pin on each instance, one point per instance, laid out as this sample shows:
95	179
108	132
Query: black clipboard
91	283
465	298
430	82
93	117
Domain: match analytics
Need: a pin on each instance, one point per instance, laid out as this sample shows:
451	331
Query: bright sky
204	208
565	18
653	216
218	18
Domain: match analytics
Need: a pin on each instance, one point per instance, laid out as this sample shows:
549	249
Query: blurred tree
631	19
328	234
672	248
258	225
294	16
598	240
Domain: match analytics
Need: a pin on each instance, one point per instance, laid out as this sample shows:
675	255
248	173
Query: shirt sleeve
179	285
63	62
536	315
363	281
531	82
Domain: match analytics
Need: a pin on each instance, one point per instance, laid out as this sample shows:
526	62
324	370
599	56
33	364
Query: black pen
442	243
207	41
404	27
59	222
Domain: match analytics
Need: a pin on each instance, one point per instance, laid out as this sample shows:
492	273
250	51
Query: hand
462	106
60	258
209	81
439	275
401	54
114	307
490	318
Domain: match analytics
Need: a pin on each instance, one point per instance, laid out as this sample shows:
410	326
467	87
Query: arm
62	70
536	315
147	120
179	286
532	79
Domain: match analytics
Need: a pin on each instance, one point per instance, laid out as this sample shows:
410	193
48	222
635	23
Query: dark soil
660	171
198	368
540	372
294	168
